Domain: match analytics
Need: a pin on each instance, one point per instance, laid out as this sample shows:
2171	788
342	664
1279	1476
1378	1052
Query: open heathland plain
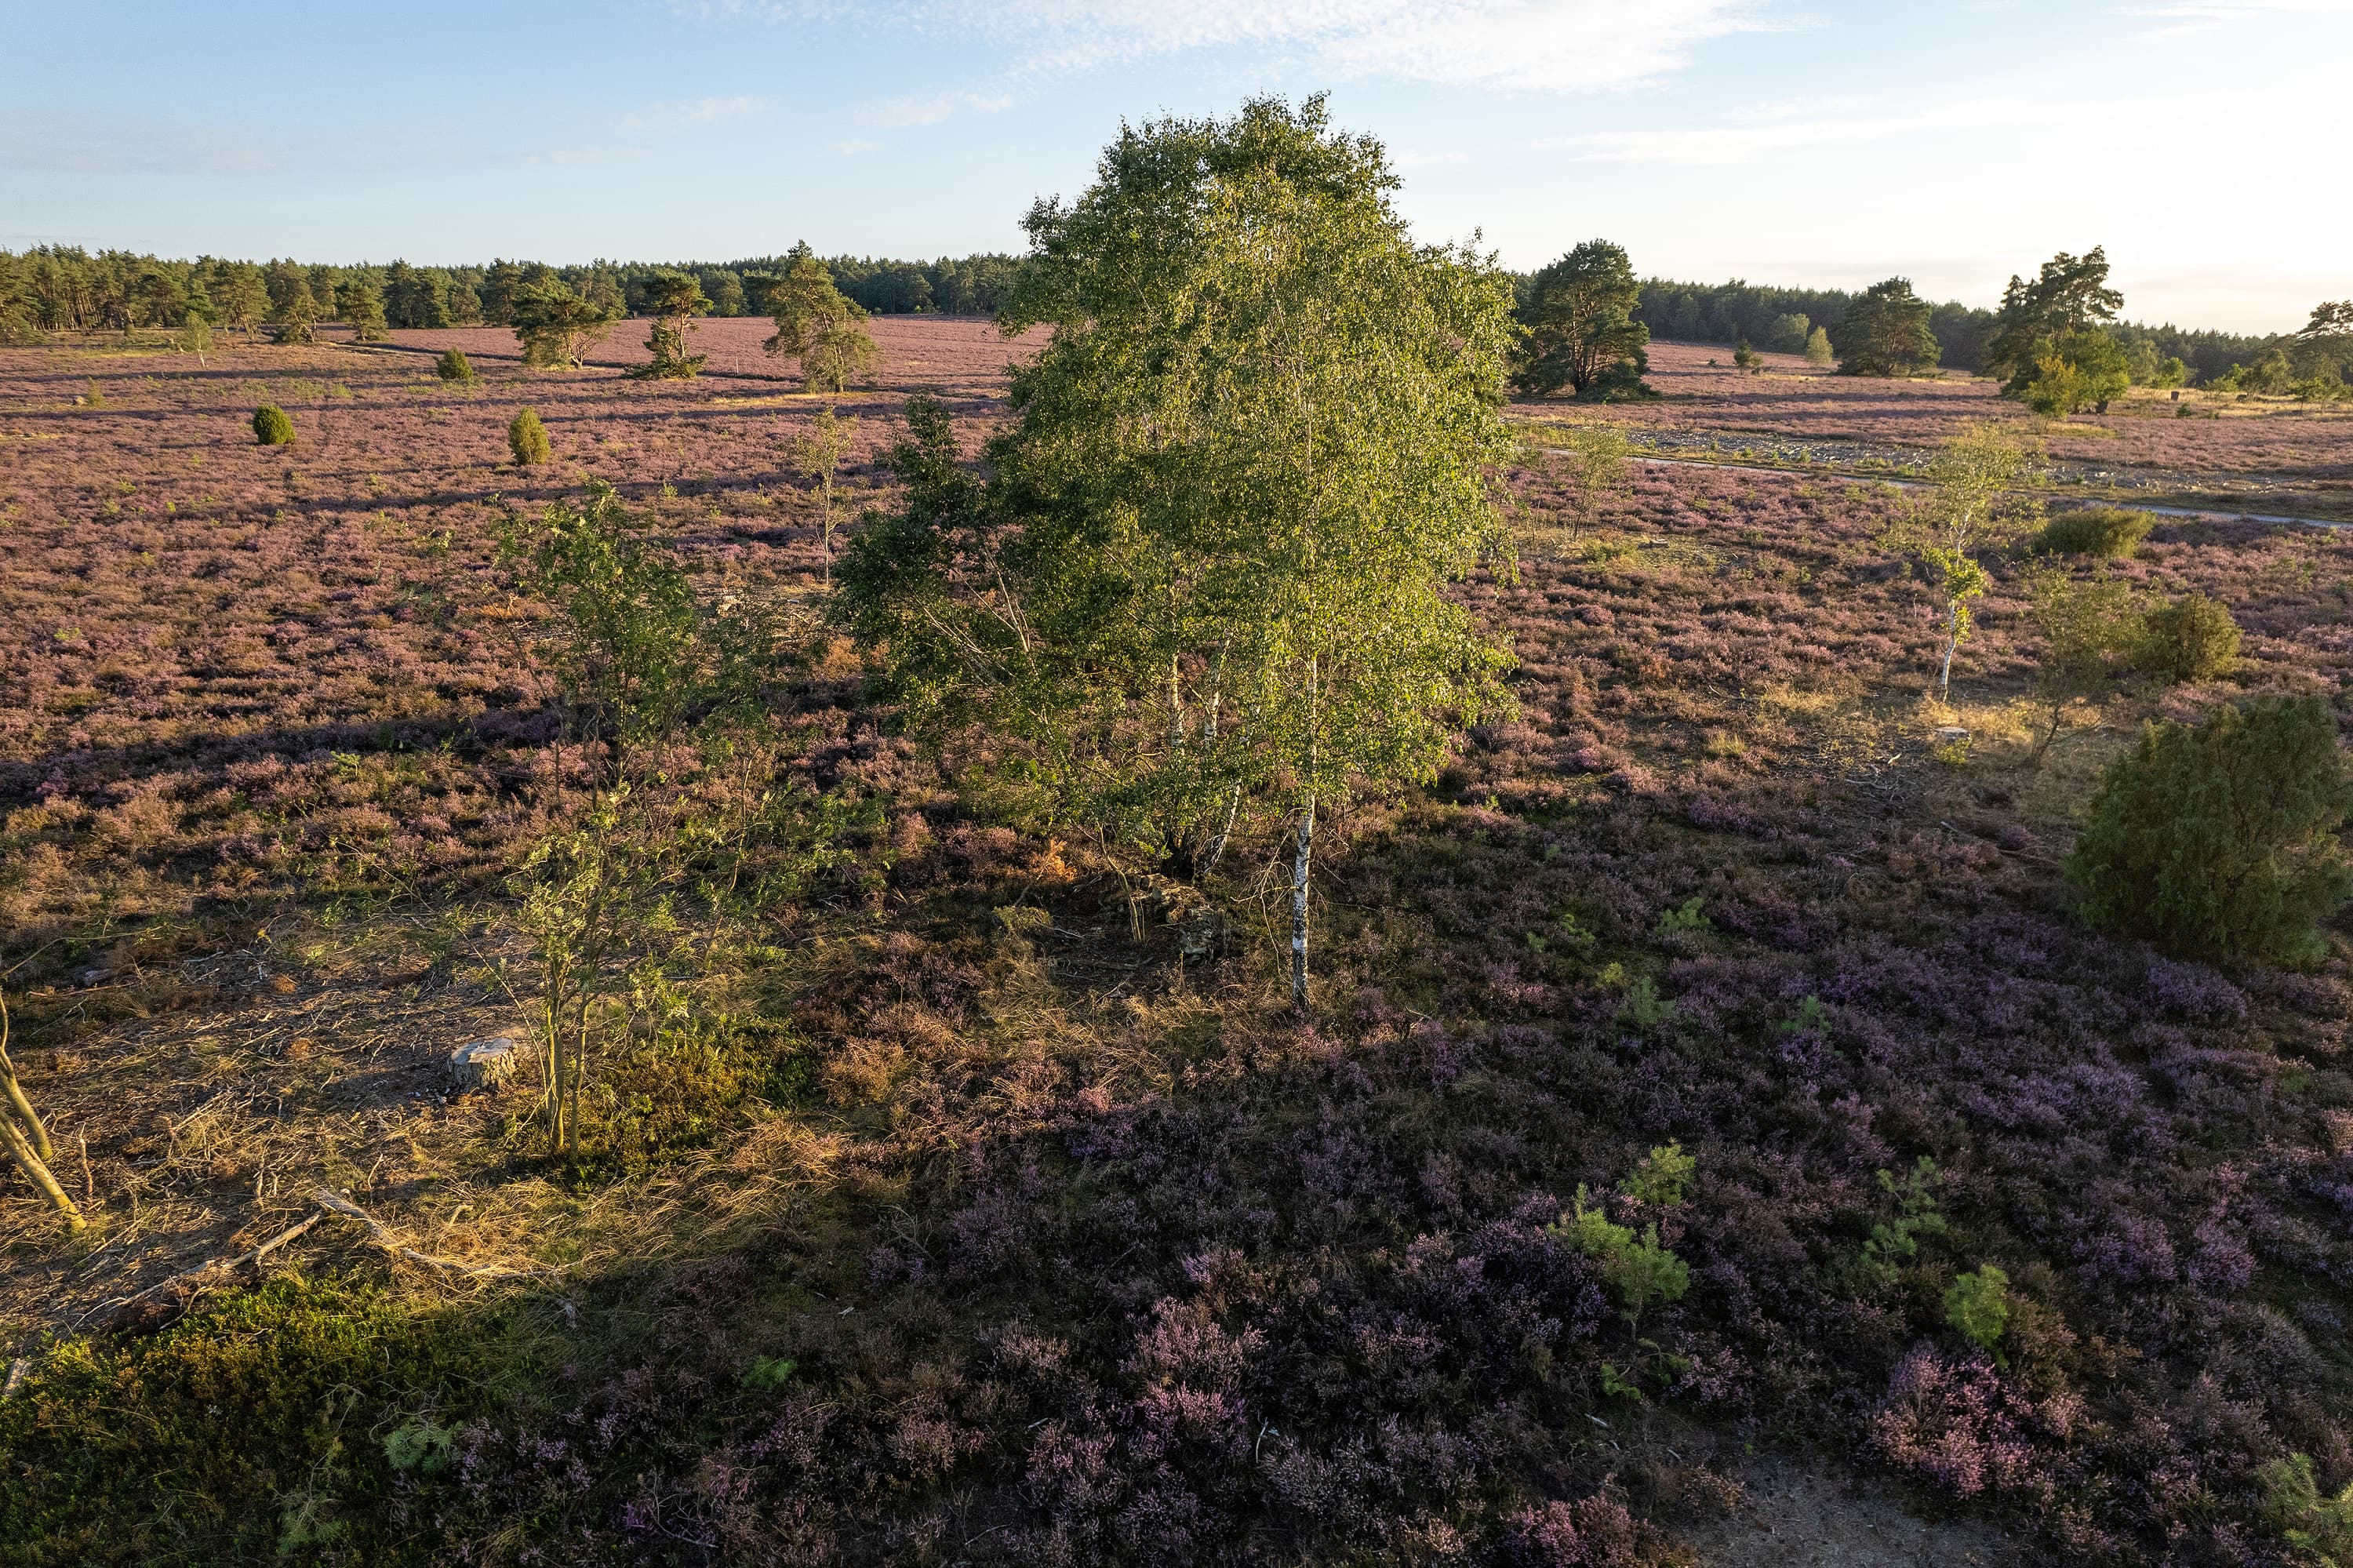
975	1203
2199	449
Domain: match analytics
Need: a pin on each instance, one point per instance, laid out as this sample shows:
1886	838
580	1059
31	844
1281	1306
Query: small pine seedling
1978	1304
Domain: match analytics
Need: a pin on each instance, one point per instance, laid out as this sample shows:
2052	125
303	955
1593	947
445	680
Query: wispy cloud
1769	132
1545	45
930	109
851	148
60	142
687	114
2191	16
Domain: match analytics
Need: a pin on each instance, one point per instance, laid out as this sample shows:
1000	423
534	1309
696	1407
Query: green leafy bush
527	439
2108	531
2219	842
1978	1304
271	427
2193	638
454	366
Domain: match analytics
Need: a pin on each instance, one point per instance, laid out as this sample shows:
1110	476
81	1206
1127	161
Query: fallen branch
381	1236
209	1265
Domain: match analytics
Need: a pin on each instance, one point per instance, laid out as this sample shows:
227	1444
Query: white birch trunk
1300	860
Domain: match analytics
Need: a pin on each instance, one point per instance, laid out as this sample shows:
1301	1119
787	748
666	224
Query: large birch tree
1204	577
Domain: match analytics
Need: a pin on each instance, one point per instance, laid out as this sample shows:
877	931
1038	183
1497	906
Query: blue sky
2205	143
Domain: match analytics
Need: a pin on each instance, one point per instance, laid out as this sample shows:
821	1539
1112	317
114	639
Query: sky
2205	143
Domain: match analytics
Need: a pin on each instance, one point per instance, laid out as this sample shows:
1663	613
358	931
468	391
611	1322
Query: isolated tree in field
819	324
1818	347
2070	295
817	453
2085	369
674	298
1971	504
556	325
1210	567
362	304
1885	331
1581	331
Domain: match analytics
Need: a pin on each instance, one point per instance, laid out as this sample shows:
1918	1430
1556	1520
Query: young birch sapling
1970	505
816	454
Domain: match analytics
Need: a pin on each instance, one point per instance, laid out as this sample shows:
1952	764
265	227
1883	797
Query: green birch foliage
1210	562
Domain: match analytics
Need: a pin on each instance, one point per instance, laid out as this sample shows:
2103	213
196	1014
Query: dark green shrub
527	437
453	365
2193	638
271	427
2094	531
2218	841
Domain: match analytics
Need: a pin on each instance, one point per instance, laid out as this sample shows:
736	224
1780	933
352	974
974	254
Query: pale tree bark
1301	858
1952	645
26	1140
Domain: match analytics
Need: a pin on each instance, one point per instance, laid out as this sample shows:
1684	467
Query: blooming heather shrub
1592	1532
2193	638
1961	1426
454	366
271	427
2218	841
2108	531
527	439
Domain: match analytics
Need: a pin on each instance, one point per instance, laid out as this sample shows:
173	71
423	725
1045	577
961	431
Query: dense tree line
52	289
65	289
1771	317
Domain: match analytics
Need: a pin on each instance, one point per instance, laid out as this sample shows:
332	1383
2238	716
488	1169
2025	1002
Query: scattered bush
2193	638
2109	531
527	439
454	366
2219	842
271	427
1978	1304
1818	347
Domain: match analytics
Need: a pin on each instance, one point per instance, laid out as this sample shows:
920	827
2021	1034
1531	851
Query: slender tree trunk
1301	857
1952	644
829	528
38	1134
1215	850
37	1172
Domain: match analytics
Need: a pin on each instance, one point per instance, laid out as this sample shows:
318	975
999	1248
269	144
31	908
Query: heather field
970	1209
2235	452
